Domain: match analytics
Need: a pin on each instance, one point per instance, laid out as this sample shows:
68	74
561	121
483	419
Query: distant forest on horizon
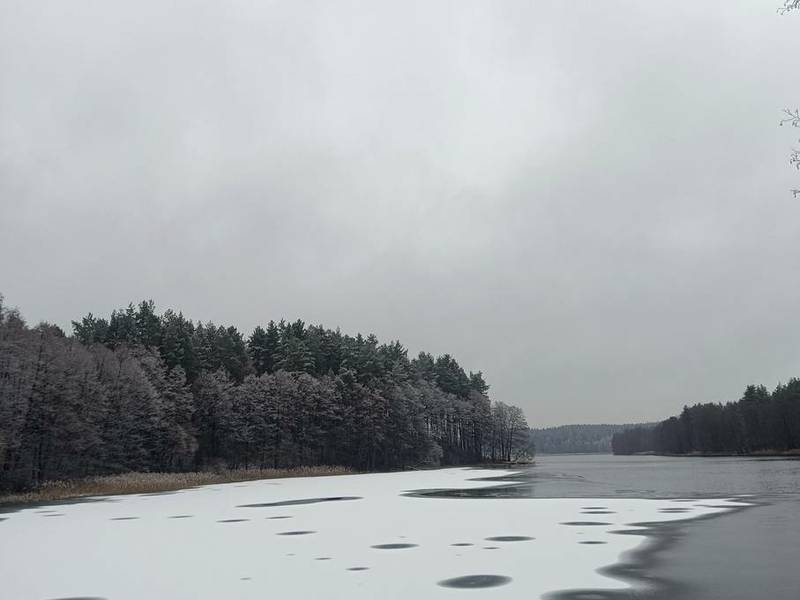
759	422
578	439
143	391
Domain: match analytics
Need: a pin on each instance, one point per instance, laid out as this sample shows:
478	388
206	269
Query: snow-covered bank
257	540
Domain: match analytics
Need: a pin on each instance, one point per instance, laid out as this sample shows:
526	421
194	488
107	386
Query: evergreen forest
147	391
576	439
759	422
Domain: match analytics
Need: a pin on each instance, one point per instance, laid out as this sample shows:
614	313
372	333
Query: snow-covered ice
204	543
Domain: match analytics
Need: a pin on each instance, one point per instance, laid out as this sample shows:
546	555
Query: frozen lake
354	536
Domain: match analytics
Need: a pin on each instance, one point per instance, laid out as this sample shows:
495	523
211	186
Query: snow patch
541	544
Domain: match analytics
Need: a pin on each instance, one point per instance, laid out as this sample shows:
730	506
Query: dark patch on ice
232	520
491	547
592	542
290	554
160	493
393	546
3	519
585	523
674	510
475	581
46	511
510	491
54	515
123	518
300	501
599	595
358	568
245	578
323	558
462	544
281	517
594	508
12	507
80	598
599	512
296	532
180	517
509	538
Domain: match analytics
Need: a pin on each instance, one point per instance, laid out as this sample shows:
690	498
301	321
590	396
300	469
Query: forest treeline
576	439
142	391
759	422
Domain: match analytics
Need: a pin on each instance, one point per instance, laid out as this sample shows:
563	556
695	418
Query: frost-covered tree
145	392
213	416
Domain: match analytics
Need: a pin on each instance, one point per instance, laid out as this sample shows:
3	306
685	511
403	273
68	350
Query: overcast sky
587	201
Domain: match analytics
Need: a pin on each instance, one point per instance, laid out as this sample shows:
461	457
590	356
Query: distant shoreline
795	453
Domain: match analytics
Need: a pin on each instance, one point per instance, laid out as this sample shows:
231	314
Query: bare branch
788	6
792	117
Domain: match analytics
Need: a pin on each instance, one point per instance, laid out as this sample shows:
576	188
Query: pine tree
257	350
176	346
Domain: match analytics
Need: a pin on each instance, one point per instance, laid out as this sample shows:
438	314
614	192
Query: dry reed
142	483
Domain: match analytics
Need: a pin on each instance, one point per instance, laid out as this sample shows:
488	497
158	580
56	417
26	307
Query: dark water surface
605	476
749	554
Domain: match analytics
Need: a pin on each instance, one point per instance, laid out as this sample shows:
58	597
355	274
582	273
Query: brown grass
142	483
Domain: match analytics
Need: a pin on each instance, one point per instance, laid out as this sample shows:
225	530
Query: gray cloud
590	203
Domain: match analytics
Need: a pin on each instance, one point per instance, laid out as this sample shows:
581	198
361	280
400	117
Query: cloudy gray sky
588	201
